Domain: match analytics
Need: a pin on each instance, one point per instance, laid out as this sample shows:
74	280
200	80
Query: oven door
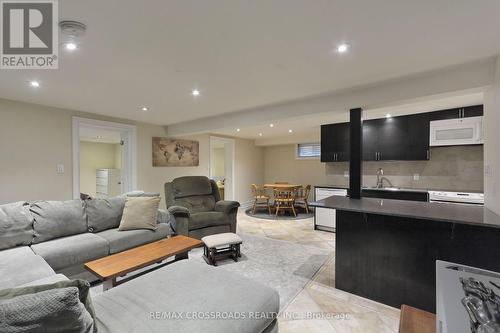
456	132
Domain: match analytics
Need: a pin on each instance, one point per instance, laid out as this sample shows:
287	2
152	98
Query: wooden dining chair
302	197
284	199
260	198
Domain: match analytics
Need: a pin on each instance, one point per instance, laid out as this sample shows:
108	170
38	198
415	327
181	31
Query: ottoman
218	246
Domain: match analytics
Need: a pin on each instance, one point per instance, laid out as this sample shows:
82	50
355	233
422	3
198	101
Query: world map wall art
169	152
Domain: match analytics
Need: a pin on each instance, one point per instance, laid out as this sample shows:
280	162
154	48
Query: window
308	150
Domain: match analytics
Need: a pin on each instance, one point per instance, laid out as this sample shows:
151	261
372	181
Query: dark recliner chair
195	203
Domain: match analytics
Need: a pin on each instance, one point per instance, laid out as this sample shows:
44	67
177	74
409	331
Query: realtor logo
29	34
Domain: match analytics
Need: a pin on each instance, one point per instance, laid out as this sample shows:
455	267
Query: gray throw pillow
59	307
140	213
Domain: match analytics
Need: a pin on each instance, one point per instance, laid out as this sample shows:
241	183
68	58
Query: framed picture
168	152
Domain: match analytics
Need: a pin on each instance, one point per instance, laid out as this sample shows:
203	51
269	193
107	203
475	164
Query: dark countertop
435	211
402	189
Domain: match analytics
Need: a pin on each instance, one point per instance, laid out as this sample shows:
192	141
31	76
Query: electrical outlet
346	174
416	176
60	168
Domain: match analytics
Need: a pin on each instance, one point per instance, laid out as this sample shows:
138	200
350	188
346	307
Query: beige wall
453	168
34	139
249	169
492	144
93	156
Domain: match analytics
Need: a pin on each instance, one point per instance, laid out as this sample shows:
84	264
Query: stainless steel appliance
456	132
457	197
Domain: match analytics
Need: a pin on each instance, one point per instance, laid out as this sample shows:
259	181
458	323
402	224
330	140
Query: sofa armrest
226	206
179	211
163	216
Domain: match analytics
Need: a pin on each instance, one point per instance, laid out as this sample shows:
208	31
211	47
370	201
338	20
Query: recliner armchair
198	211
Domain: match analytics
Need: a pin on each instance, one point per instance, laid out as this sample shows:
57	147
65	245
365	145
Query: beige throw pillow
140	213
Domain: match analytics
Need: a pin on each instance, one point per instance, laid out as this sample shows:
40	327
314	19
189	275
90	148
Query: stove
457	197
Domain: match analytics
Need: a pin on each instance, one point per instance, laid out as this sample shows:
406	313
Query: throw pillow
63	306
140	213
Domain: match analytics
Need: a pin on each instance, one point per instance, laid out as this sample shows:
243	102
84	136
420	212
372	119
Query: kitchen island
386	250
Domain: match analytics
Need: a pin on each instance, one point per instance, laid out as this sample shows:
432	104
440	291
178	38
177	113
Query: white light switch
488	171
416	176
60	168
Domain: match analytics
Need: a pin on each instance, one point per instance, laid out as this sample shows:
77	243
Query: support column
356	150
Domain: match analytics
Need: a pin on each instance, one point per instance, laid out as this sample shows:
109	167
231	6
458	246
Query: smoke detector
72	29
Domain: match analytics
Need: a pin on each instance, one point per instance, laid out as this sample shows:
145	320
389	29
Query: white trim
297	157
232	143
129	153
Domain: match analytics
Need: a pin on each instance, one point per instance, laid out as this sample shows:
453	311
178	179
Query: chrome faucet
380	179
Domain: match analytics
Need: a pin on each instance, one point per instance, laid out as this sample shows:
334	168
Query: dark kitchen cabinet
465	112
396	138
335	142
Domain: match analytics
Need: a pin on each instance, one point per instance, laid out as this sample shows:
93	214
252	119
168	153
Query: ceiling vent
72	29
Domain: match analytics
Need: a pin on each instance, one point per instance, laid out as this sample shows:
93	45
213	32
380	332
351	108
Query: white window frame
297	157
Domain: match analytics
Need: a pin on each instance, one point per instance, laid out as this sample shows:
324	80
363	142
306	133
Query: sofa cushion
190	186
46	280
104	214
192	288
67	251
16	225
124	240
207	219
55	219
197	204
21	265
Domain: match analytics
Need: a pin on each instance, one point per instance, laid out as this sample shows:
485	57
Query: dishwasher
324	218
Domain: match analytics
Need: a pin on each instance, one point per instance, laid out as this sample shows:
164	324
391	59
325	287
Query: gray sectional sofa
48	241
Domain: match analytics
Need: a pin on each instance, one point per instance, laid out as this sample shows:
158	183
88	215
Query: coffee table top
130	260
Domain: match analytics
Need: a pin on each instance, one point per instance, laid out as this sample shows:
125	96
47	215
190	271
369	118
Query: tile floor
333	310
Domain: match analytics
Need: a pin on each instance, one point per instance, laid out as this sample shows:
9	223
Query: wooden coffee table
119	264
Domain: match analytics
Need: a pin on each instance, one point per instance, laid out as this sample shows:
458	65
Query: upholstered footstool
220	246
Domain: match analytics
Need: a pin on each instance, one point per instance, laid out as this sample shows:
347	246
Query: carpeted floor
282	265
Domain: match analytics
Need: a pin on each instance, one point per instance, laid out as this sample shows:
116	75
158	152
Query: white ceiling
308	127
243	54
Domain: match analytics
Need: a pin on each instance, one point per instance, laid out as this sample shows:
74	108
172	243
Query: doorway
104	158
222	165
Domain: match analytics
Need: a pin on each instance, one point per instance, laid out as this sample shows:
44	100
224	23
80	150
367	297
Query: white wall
249	169
93	156
492	142
217	160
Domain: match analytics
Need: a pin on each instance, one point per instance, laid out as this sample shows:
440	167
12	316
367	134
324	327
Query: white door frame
228	143
129	155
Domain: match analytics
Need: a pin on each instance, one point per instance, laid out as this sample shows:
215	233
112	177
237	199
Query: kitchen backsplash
457	168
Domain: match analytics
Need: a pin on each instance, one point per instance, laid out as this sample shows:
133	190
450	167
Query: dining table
281	186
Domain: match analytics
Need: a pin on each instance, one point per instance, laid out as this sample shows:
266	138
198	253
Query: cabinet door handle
379	156
428	154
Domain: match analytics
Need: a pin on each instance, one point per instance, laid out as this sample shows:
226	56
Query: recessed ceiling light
290	131
144	108
342	48
260	134
271	125
35	84
70	46
195	92
388	115
237	130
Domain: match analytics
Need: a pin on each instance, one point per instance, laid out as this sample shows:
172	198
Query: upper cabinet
335	142
397	138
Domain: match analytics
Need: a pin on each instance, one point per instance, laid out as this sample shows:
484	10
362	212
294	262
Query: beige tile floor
319	307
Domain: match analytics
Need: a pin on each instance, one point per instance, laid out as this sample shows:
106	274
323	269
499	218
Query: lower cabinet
324	218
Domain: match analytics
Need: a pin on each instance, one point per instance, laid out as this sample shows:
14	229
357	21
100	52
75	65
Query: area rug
262	213
282	265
